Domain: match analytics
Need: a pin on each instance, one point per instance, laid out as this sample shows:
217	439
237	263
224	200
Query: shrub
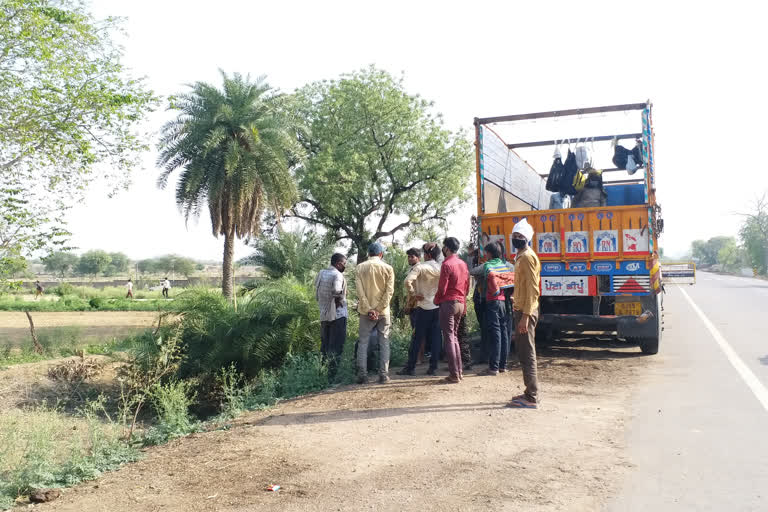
302	374
96	302
275	319
63	289
171	403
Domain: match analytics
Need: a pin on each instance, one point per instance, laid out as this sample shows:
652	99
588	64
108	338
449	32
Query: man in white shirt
129	287
166	287
421	283
331	295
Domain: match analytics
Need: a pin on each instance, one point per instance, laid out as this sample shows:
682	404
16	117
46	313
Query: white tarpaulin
502	167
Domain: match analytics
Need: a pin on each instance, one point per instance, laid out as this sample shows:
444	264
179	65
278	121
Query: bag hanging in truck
628	160
569	172
583	157
555	175
579	180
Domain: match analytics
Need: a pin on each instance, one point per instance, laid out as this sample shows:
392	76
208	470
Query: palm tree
234	149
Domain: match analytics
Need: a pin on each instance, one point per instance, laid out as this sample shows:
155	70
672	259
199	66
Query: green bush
302	374
171	403
275	319
63	289
96	302
399	342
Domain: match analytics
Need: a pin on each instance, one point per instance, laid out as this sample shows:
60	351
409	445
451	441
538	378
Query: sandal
451	380
522	404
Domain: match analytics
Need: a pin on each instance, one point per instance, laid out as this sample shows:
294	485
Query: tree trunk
362	251
35	342
227	285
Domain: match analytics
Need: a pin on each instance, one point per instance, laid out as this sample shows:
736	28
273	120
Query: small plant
73	373
301	374
96	302
171	402
153	360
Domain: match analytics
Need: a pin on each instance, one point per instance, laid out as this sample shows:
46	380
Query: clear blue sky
702	66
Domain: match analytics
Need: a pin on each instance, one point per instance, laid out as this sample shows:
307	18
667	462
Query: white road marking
746	374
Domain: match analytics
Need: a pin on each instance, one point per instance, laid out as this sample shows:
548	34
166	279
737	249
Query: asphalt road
698	437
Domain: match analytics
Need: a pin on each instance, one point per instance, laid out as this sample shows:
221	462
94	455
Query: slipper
522	404
451	380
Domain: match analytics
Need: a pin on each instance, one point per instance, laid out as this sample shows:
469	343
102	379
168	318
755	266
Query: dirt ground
14	326
412	444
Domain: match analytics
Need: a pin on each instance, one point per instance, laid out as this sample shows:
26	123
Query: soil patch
412	444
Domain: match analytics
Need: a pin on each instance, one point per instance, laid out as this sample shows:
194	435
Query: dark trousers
427	328
332	337
165	292
525	346
480	312
496	332
464	344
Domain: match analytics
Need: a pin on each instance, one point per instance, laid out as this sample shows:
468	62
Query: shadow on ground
589	348
358	414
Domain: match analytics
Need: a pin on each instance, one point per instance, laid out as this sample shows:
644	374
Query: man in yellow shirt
526	312
375	286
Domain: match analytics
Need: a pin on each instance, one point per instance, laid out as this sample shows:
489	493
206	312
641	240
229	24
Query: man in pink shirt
451	296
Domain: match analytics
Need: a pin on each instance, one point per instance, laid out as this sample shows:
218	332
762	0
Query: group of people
166	286
437	293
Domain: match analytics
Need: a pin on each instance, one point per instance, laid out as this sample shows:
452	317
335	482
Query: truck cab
599	264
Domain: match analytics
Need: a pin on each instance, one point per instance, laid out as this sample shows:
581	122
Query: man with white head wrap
526	312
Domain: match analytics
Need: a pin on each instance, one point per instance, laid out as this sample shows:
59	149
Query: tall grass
42	448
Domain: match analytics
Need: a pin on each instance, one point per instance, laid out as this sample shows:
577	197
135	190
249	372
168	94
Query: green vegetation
40	447
300	253
234	150
731	255
754	235
75	303
385	160
69	107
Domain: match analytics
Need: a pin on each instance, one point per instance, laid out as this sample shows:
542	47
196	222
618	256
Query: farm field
89	325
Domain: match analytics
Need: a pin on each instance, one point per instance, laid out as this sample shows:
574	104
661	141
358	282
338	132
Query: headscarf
524	229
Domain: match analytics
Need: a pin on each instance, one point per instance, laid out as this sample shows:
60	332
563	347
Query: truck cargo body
599	266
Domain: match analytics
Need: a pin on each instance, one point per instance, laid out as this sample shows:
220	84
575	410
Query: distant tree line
112	264
749	250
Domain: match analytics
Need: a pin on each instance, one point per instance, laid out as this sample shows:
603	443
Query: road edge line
754	384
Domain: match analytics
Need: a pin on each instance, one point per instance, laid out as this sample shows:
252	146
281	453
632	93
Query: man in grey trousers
375	286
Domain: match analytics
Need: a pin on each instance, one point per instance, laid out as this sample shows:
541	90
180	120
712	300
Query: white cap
524	229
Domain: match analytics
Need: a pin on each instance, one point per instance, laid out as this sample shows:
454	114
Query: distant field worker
166	287
375	286
526	312
451	296
38	290
129	287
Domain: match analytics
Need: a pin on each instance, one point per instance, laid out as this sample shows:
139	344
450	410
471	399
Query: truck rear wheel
650	345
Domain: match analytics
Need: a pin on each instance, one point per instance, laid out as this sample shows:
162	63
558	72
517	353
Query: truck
599	265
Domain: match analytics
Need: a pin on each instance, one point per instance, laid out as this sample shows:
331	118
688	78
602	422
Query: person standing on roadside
526	312
129	287
495	314
421	284
414	257
451	296
331	295
166	287
375	285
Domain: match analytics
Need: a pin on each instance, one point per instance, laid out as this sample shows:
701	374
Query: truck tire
650	345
